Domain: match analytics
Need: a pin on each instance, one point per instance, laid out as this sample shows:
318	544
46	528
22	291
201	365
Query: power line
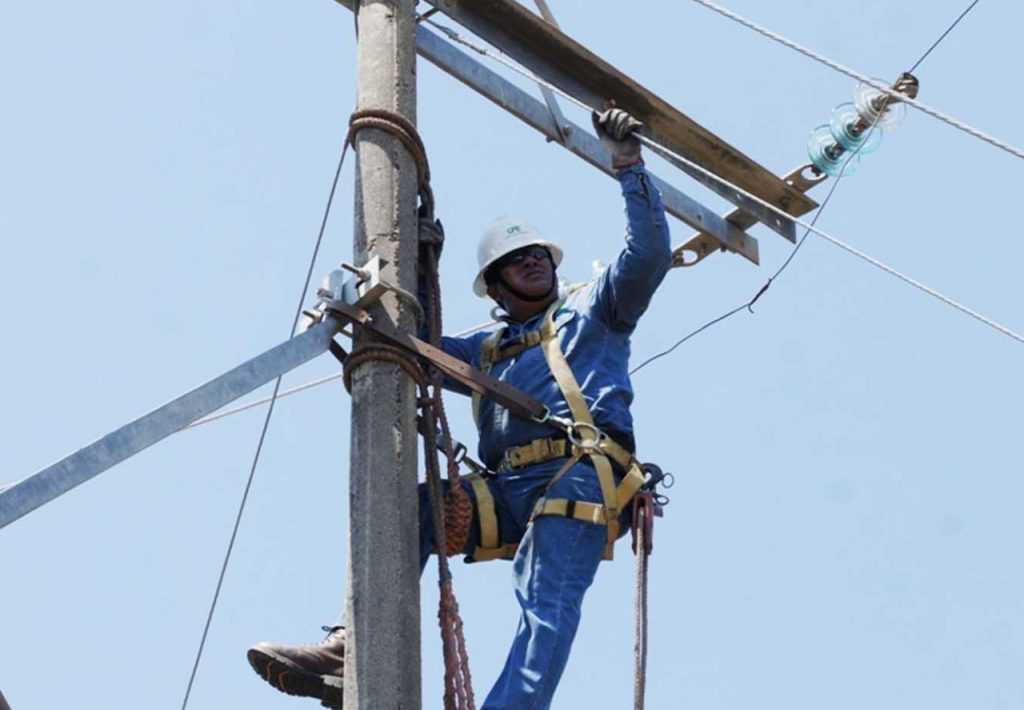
843	245
817	215
455	36
263	432
786	263
935	113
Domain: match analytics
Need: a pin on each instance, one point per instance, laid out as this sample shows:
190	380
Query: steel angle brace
548	94
515	400
705	243
576	140
40	488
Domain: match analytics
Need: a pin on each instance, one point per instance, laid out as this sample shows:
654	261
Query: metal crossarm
706	242
578	140
560	60
42	487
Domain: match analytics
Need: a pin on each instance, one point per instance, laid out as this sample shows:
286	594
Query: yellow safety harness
585	440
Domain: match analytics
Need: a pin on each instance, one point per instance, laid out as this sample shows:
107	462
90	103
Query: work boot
314	671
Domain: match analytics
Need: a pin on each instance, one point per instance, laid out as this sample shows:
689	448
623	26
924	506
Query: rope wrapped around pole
452	511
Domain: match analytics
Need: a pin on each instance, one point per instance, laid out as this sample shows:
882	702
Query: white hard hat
505	235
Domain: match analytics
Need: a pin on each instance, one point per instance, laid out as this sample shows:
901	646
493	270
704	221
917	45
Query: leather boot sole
292	679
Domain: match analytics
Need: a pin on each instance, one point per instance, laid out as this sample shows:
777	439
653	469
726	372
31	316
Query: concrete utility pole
382	659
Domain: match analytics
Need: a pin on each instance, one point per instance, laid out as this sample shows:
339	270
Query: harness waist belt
541	450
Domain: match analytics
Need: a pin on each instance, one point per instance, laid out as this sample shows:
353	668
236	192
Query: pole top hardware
364	287
360	287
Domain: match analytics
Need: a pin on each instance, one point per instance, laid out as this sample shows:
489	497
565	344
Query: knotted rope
457	509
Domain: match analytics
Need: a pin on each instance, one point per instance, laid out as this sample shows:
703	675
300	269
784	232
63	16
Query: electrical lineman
555	505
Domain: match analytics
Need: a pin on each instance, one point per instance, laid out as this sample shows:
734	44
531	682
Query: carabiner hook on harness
575	431
655	476
648	504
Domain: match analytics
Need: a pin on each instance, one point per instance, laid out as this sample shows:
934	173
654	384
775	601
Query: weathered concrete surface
382	665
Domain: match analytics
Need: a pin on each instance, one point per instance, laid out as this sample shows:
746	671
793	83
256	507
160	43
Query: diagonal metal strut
40	488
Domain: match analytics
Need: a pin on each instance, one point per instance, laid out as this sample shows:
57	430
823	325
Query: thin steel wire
264	400
263	433
455	36
301	388
924	108
749	304
942	37
869	259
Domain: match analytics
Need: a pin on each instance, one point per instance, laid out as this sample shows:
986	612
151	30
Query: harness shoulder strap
488	350
570	388
560	369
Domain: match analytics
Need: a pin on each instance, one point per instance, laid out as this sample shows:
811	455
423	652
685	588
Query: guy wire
263	432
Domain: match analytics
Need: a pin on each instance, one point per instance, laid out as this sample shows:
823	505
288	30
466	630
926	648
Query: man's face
528	270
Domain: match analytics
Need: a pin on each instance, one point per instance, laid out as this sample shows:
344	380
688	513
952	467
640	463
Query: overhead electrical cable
804	237
263	432
455	36
935	113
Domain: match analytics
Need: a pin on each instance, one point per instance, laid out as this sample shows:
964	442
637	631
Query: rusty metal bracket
703	244
515	400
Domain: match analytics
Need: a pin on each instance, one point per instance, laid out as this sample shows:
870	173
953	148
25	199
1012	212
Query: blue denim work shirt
594	326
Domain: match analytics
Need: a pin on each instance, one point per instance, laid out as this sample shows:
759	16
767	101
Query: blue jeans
554	566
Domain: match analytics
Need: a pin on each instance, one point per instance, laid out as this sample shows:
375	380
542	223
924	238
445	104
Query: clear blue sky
845	530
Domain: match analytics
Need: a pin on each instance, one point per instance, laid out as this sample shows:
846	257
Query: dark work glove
617	130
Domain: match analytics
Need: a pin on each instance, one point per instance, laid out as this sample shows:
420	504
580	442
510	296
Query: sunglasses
537	253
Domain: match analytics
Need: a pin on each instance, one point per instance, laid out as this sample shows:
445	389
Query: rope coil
380	352
402	129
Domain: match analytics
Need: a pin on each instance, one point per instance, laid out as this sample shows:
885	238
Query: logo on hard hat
514	229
